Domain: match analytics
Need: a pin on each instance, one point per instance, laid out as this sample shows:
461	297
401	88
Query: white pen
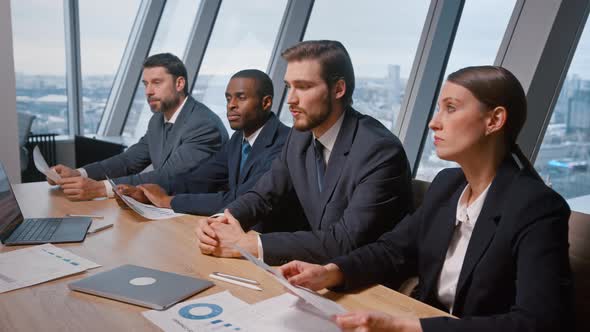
229	276
101	228
93	216
234	280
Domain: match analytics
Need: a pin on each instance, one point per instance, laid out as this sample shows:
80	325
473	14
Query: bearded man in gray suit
181	134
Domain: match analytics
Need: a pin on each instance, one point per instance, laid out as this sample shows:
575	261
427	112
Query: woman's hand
312	276
374	321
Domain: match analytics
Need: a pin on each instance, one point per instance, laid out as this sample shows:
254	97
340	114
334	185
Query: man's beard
168	104
317	119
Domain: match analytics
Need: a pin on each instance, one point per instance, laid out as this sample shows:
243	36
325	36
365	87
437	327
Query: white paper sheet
217	312
290	313
225	312
42	166
326	306
145	210
37	264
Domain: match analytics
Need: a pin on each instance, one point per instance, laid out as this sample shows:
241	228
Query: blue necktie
246	148
319	163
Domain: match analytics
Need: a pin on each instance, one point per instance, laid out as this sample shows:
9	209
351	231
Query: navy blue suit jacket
515	275
209	188
366	191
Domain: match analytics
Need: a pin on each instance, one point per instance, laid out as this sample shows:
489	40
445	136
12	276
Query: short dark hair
173	65
334	61
496	86
264	85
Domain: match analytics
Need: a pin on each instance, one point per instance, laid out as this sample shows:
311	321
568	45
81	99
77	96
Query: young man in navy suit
232	171
344	171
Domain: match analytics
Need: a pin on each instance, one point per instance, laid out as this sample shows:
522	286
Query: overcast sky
376	33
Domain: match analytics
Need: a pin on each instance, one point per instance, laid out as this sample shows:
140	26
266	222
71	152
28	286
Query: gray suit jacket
366	192
196	135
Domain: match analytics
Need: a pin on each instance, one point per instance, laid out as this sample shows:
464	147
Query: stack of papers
145	210
304	311
223	311
34	265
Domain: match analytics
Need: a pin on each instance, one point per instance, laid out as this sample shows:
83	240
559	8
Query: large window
381	37
39	61
101	49
172	36
243	38
564	157
476	43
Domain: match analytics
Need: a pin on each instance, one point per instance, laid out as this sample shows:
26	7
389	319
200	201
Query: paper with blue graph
37	264
217	312
223	312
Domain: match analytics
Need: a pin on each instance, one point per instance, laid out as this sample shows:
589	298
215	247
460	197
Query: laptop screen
10	214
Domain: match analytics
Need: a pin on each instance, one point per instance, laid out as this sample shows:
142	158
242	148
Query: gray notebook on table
142	286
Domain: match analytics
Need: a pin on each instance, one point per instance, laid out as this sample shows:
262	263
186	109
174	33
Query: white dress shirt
465	222
252	138
107	185
328	139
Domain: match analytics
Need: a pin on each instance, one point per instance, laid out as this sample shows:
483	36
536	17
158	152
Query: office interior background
76	66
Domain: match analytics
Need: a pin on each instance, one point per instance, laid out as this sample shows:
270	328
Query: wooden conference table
168	245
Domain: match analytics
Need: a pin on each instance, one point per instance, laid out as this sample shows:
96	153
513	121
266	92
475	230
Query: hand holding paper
42	166
312	276
147	211
326	306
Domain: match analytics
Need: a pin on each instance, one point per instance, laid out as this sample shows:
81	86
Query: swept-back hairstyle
173	65
496	86
334	61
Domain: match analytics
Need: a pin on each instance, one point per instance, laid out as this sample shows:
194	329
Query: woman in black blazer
489	242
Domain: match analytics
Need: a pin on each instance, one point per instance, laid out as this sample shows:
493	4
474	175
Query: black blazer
210	187
367	190
515	276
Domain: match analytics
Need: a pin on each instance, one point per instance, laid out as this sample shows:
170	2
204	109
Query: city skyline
243	37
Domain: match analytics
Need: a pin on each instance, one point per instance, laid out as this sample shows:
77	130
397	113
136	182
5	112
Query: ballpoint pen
93	216
248	283
99	229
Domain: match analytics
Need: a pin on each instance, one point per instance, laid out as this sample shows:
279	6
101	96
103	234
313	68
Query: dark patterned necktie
167	129
319	163
246	148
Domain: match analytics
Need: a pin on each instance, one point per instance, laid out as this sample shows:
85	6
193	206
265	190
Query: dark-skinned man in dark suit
233	170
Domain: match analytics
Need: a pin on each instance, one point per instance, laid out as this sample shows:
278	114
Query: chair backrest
25	122
579	238
419	189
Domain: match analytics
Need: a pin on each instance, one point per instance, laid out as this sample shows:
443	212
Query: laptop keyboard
36	229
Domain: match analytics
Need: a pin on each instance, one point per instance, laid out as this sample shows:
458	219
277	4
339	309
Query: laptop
16	230
141	286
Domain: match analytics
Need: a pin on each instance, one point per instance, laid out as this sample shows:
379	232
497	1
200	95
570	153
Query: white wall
8	119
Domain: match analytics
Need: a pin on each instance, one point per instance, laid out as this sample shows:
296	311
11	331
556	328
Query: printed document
37	264
145	210
326	306
210	313
225	312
